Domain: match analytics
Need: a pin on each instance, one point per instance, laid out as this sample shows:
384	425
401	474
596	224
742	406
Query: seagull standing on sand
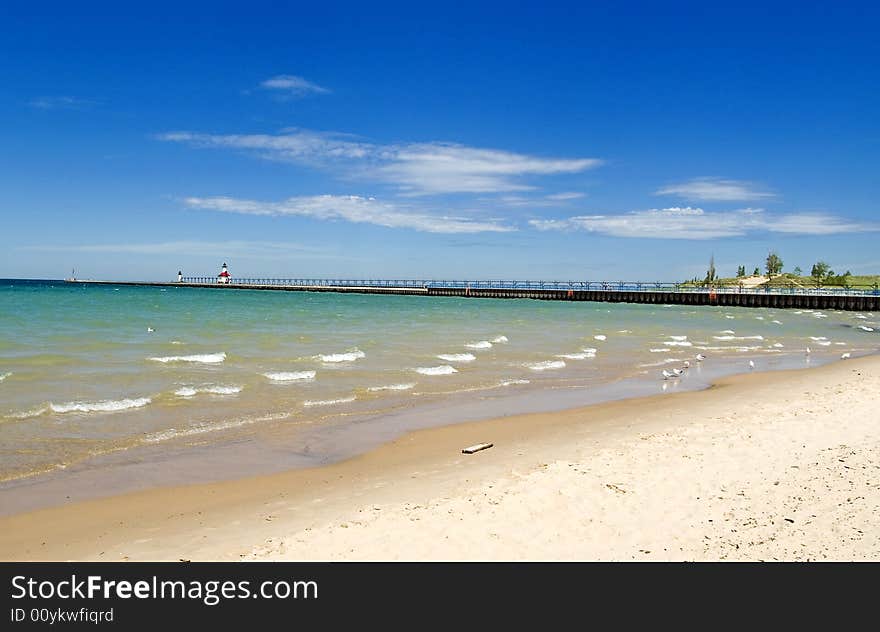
751	364
809	351
845	356
686	364
150	330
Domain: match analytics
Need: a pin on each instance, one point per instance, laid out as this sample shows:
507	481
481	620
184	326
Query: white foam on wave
174	433
728	331
729	317
457	357
662	362
600	337
759	318
776	321
663	350
328	402
586	353
436	370
546	365
392	387
483	344
824	343
176	342
862	327
205	358
26	414
512	382
348	356
624	331
679	338
679	343
778	345
818	338
290	376
861	316
498	339
105	406
191	391
3	376
738	337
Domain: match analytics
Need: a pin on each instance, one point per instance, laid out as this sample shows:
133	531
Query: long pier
599	291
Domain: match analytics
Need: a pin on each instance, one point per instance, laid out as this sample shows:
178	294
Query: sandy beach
765	466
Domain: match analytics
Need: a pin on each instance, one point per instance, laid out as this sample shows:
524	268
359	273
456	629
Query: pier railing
510	284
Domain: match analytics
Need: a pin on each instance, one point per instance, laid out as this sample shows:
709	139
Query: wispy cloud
413	168
242	249
61	103
716	190
567	195
350	208
695	223
294	86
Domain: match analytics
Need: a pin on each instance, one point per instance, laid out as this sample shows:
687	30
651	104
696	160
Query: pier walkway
857	299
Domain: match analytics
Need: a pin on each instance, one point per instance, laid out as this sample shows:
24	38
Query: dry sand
772	466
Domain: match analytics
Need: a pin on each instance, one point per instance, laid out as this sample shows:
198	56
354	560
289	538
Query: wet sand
779	465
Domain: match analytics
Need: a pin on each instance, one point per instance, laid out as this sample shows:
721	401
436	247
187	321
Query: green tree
710	273
740	272
798	271
773	264
757	271
820	272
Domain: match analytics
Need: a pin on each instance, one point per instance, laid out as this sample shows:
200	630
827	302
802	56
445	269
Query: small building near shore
224	276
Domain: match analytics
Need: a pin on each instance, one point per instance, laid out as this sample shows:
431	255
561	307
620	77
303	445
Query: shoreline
330	506
273	451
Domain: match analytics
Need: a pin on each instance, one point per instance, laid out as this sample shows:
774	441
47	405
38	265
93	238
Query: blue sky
543	140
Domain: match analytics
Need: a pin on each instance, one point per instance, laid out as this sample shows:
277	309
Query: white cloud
414	168
293	85
425	168
351	208
716	190
61	103
567	195
695	223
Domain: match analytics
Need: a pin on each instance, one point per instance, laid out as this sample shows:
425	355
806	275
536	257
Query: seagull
700	357
667	375
150	330
845	356
687	364
677	372
809	351
751	364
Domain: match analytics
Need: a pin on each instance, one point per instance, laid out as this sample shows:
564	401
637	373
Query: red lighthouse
224	276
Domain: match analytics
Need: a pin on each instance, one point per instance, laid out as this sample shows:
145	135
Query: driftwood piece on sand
476	448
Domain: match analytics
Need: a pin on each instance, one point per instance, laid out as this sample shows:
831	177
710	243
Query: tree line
820	274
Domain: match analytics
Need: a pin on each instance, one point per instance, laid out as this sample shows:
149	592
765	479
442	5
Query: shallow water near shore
242	382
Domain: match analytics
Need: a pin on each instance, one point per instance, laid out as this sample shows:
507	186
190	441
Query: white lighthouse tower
224	276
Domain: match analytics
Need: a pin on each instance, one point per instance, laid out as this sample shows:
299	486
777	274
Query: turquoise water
87	371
